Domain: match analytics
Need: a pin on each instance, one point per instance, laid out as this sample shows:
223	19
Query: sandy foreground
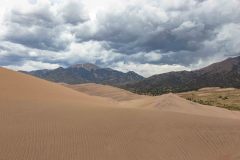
40	120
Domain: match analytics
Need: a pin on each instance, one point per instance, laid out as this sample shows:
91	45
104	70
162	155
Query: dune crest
105	91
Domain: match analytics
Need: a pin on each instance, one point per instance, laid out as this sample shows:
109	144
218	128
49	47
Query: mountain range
222	74
87	73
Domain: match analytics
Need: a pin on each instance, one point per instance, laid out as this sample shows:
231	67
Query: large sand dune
40	120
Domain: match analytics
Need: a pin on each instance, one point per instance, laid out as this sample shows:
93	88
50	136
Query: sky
146	36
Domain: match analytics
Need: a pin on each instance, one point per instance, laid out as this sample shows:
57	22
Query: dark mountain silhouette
87	73
221	74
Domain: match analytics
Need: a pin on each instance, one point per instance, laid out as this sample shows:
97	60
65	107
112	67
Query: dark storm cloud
41	27
40	17
182	30
74	13
13	59
37	37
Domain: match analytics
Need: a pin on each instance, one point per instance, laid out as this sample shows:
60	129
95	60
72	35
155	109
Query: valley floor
228	98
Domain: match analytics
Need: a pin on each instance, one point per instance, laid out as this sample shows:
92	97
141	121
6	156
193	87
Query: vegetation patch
224	98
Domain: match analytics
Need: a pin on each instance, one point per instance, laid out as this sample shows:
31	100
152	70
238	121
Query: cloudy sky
146	36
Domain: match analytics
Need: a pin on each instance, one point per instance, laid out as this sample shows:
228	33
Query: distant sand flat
218	89
40	120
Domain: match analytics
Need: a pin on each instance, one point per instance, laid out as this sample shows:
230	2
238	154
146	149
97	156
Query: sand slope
105	91
40	120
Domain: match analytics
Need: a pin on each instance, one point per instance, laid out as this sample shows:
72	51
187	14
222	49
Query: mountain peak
87	73
87	66
223	66
132	73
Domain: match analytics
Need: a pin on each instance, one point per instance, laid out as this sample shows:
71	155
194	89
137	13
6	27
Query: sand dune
168	102
105	91
40	120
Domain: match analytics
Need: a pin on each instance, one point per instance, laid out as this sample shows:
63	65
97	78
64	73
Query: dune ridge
105	91
168	102
40	120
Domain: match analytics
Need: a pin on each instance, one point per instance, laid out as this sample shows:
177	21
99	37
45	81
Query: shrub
224	98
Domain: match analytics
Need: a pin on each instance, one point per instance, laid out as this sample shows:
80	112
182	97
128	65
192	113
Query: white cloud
32	65
185	26
227	41
147	69
91	51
